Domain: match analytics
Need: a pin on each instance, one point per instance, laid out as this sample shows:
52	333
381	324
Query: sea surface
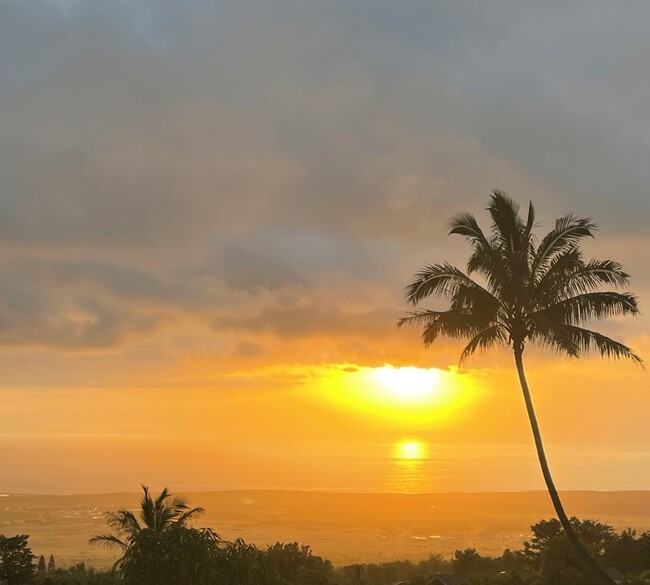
344	527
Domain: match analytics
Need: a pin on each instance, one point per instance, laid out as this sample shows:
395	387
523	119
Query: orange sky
205	421
207	215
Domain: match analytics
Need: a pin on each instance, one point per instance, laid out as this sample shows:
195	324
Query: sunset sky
209	212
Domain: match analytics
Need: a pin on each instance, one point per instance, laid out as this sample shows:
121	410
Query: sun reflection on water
408	471
410	450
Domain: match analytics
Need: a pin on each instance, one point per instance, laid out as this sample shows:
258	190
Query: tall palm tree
155	514
528	291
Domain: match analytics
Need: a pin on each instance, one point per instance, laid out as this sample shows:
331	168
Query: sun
409	383
417	396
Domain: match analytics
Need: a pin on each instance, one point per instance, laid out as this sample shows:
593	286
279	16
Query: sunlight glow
409	394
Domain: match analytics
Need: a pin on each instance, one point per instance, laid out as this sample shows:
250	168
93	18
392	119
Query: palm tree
529	291
155	515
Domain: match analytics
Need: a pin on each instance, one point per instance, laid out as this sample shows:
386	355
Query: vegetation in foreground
160	548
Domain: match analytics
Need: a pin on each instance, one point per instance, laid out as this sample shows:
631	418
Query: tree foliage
155	515
241	563
16	560
297	563
469	562
548	558
177	554
159	548
527	290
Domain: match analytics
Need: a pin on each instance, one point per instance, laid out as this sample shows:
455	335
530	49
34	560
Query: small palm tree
155	515
529	291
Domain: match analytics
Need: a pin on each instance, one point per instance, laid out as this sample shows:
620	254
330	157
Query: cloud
311	321
206	205
286	170
84	323
247	349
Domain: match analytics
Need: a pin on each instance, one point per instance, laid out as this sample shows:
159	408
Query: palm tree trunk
587	559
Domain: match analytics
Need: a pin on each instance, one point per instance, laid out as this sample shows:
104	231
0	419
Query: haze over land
346	528
209	212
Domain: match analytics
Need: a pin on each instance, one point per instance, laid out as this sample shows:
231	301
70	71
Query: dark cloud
287	162
85	323
311	321
247	349
78	305
125	282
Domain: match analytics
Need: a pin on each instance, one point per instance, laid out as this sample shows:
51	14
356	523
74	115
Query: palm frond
489	337
161	499
474	299
602	273
108	541
416	318
593	341
588	306
178	503
147	509
508	267
190	515
506	223
568	232
438	280
591	276
168	509
559	268
568	271
530	222
583	341
454	324
123	522
465	224
488	262
549	334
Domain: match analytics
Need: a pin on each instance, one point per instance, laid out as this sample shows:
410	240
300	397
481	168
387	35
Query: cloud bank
283	168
